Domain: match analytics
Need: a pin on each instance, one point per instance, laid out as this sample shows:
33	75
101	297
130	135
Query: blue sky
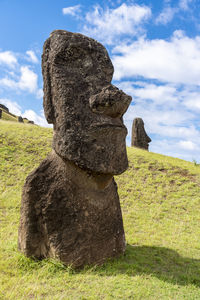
154	46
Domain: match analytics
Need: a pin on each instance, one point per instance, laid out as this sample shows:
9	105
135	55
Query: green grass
160	199
8	117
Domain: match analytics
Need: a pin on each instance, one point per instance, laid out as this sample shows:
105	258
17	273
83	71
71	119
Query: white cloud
31	56
38	119
175	149
194	102
20	77
8	58
175	61
176	131
163	121
166	15
173	127
168	12
7	82
39	93
72	10
108	24
13	107
184	4
27	81
188	145
160	94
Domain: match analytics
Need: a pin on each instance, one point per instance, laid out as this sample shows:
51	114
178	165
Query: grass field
7	116
160	199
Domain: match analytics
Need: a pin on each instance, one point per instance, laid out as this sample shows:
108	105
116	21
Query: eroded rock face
139	137
70	206
76	69
67	215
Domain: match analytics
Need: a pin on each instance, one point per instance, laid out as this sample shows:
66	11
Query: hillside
160	199
6	115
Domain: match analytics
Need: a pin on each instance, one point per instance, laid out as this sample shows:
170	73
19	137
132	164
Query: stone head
139	136
84	107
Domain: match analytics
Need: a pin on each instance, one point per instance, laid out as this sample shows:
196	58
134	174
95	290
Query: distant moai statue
4	107
0	113
139	137
70	206
20	119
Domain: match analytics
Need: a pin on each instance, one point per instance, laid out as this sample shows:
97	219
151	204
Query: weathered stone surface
70	214
139	137
70	206
20	119
4	107
75	69
0	113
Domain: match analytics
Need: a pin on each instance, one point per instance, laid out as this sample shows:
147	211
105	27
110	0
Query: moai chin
139	137
70	207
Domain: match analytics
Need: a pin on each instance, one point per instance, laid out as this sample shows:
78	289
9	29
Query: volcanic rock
20	119
139	137
70	207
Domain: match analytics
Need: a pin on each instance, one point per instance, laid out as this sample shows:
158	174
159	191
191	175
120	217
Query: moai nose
110	101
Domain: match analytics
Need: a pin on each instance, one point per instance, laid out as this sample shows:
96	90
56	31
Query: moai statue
4	107
139	137
20	119
70	206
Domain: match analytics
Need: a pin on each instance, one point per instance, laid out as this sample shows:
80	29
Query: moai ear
47	98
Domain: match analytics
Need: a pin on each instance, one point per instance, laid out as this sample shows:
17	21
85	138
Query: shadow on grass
163	263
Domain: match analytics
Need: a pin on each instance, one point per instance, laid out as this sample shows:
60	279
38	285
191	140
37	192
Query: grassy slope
7	116
161	211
